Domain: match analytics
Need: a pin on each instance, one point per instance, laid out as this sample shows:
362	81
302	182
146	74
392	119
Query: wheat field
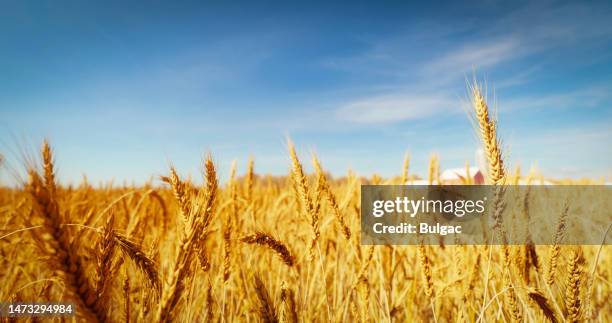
270	249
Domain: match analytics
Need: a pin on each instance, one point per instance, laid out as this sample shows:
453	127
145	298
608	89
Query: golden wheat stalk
228	225
250	180
427	273
64	255
302	185
515	310
319	191
488	134
212	185
201	214
180	193
405	169
555	249
468	177
48	168
331	198
106	251
572	286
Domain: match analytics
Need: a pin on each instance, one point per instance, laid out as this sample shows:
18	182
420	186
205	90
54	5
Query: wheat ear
426	267
543	304
106	251
331	198
147	266
515	311
302	185
555	249
572	286
290	308
65	257
488	134
201	212
250	180
180	193
405	169
228	225
267	311
267	240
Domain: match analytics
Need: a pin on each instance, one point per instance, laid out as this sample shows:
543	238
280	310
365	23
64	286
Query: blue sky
122	89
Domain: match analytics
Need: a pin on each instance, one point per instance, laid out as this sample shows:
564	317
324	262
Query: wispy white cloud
582	98
387	109
532	30
463	58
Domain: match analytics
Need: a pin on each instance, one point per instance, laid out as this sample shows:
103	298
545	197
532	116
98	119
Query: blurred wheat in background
262	248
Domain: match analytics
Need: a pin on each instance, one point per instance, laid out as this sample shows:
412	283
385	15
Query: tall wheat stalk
201	212
304	192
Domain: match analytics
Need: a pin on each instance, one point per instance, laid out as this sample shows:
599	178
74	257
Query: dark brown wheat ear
267	311
542	302
267	240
